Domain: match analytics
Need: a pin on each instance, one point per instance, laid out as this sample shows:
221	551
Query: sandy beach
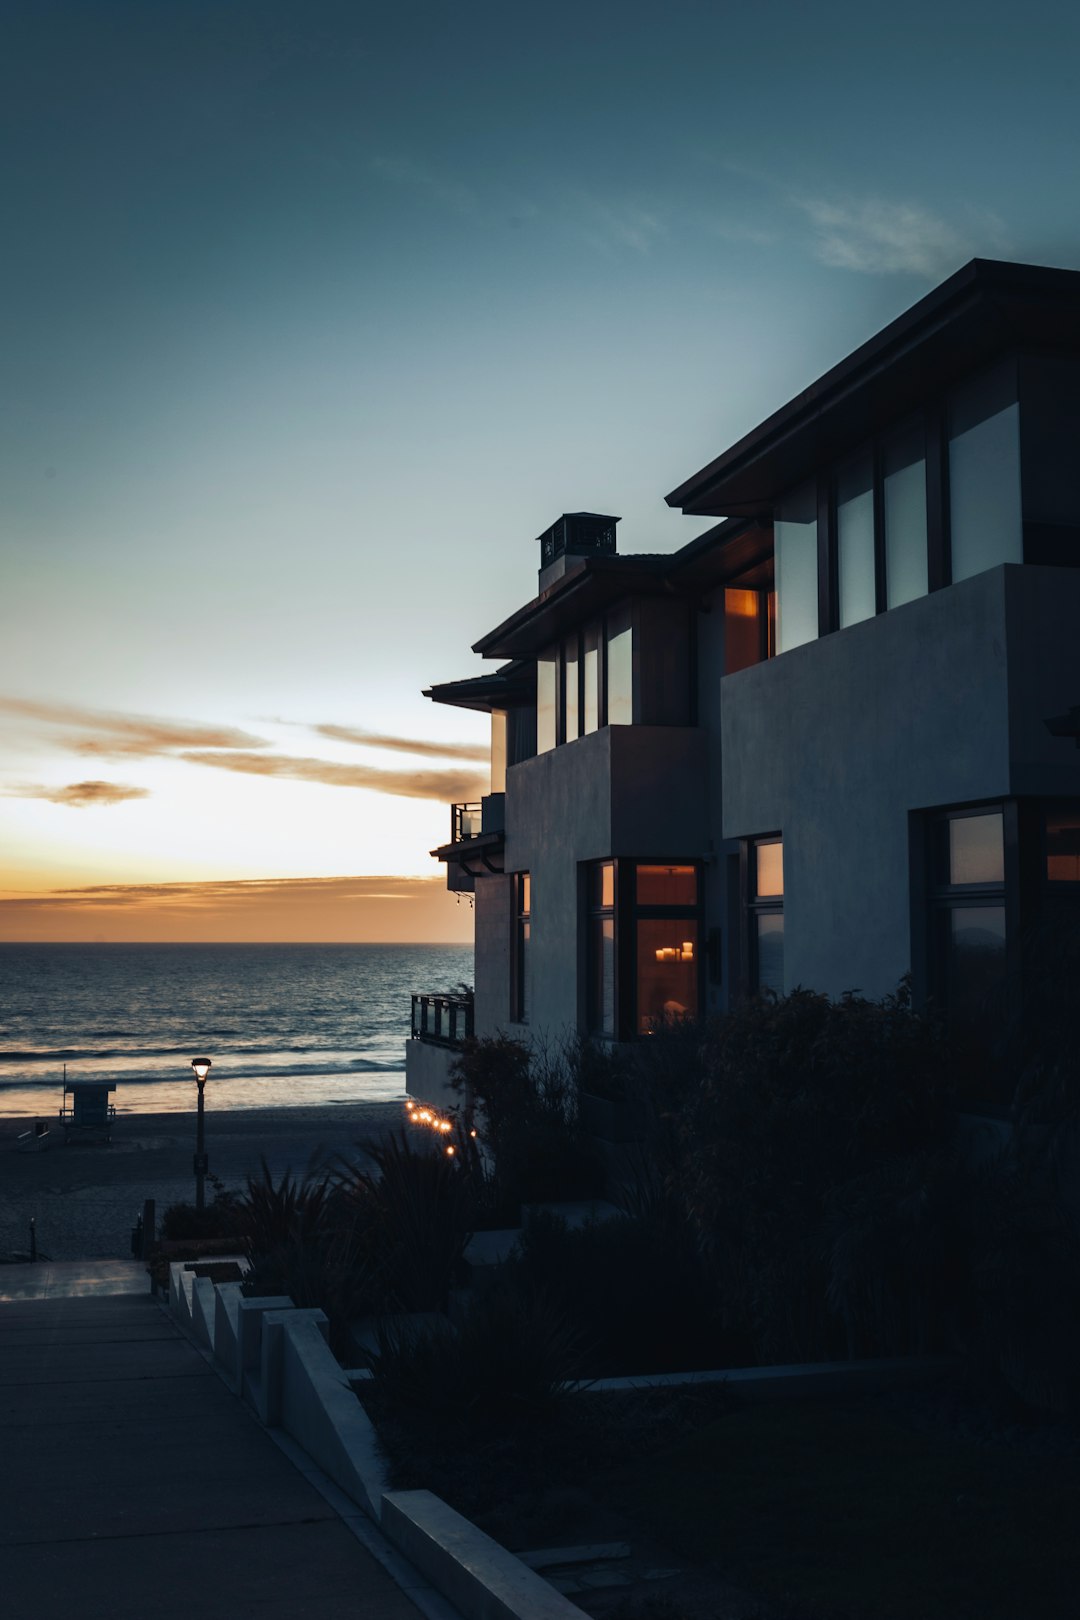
85	1197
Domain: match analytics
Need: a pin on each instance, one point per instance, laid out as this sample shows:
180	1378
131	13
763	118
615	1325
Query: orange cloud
361	909
80	795
439	785
474	752
116	735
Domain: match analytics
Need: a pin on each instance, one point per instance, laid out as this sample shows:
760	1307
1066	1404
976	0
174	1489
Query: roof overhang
479	856
500	689
599	583
984	310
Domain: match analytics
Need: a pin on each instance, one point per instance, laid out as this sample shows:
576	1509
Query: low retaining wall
275	1357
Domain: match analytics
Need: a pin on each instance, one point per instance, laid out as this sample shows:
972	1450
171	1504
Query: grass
845	1508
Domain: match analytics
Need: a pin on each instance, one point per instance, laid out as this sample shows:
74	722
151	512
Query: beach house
831	741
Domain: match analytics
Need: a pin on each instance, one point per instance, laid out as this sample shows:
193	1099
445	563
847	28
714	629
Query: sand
85	1197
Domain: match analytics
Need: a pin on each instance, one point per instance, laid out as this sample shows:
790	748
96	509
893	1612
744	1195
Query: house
829	742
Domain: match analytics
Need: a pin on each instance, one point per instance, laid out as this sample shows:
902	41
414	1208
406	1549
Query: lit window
600	949
519	996
644	922
765	906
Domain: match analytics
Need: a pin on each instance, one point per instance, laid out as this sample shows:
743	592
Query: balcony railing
448	1020
466	821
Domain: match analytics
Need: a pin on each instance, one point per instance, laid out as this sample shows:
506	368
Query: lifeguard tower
86	1113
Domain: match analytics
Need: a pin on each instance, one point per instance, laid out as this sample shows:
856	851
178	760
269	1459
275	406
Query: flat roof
984	310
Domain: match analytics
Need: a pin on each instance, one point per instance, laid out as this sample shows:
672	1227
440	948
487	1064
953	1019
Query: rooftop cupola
575	534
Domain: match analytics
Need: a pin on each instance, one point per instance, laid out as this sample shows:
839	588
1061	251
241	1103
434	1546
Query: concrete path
133	1484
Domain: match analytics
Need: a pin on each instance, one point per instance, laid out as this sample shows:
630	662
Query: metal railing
466	821
445	1019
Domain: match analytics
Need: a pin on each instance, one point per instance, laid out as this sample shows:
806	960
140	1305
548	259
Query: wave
92	1054
278	1071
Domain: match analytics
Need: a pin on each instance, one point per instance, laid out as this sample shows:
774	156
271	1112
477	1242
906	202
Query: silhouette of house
826	743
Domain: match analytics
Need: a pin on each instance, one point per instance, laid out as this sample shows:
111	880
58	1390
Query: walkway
133	1483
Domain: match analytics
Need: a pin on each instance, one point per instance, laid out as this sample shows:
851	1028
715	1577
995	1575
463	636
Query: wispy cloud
107	734
424	748
210	894
878	236
617	225
445	192
440	785
79	795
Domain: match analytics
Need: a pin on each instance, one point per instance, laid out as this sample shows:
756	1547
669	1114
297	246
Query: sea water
284	1025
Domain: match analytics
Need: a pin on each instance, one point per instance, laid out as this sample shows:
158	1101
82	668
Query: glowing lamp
202	1069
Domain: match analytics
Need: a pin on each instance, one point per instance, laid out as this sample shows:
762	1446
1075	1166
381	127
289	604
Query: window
498	750
519	992
591	717
643	956
765	908
586	681
904	515
855	563
795	540
571	690
967	860
984	474
1063	844
749	628
667	936
600	950
547	686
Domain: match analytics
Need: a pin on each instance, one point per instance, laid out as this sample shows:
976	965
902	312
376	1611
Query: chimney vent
578	534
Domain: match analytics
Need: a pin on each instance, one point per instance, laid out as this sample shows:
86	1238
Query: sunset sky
315	315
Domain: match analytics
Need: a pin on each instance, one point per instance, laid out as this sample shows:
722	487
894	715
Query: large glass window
667	938
765	906
644	923
519	999
904	477
620	668
591	714
985	525
498	750
969	918
855	540
795	540
748	625
1063	844
547	689
600	949
571	690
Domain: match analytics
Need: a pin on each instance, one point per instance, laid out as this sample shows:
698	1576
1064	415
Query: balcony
477	836
444	1020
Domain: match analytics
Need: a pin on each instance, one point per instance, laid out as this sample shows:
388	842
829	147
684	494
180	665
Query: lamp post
202	1069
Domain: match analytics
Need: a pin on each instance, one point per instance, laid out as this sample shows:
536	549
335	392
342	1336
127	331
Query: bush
523	1103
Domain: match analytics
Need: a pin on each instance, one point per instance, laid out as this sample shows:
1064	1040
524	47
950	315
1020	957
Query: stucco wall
622	791
1042	609
835	742
492	955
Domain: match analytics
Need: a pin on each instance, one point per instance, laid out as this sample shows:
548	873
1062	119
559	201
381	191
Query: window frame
520	943
754	906
626	913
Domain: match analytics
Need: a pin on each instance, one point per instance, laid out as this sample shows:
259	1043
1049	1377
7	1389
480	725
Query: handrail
445	1019
466	821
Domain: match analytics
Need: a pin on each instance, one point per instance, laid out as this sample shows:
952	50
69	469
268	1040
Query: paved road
134	1485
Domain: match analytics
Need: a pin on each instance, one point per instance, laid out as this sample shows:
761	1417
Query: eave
984	310
599	583
479	857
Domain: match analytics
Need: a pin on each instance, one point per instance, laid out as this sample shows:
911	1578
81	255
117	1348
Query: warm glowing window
600	949
748	628
519	998
1063	845
547	689
498	750
765	913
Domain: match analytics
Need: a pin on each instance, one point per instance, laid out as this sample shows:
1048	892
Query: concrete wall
492	952
623	791
835	742
1042	609
427	1069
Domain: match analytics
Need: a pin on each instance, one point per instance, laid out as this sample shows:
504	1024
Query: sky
314	316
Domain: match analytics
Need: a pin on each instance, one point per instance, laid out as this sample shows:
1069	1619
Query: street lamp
202	1069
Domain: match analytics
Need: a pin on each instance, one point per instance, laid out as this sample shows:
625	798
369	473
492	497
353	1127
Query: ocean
284	1025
